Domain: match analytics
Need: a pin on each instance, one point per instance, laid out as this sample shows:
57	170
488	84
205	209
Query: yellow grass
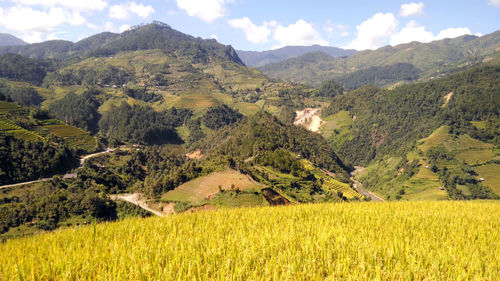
356	241
201	188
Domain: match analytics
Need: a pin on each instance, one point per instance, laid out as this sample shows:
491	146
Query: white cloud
373	32
495	3
452	32
25	19
213	36
300	33
77	5
336	29
206	10
412	32
124	27
123	10
411	9
254	33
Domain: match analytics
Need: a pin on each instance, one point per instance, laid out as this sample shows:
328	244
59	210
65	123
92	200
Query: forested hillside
395	123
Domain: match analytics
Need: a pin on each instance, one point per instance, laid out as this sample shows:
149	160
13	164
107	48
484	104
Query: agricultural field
425	241
491	175
199	189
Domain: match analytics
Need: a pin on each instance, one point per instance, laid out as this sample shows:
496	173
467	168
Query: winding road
359	187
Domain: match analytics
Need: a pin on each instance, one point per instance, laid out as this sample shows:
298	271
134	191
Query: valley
151	154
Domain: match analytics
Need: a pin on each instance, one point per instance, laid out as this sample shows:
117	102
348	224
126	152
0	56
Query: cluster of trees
143	94
78	110
21	68
27	96
27	160
279	159
220	116
141	124
330	89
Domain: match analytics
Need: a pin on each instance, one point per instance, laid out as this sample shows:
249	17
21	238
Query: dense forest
390	120
29	160
21	68
78	110
141	124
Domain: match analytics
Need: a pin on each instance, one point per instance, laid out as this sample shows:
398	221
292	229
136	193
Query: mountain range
258	59
191	127
432	59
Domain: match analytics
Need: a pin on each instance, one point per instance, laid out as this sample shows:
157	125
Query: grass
437	137
473	157
339	121
200	188
357	241
491	175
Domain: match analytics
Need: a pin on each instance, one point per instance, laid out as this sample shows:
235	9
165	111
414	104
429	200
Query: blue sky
258	24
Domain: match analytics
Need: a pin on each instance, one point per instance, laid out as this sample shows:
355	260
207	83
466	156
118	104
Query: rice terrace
249	140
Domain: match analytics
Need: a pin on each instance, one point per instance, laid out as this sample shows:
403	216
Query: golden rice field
351	241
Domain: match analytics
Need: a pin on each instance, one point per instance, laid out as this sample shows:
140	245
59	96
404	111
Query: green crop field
356	241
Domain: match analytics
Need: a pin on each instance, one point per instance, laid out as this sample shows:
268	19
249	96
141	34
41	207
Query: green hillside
423	139
434	59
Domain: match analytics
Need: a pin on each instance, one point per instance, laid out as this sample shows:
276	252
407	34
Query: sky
258	24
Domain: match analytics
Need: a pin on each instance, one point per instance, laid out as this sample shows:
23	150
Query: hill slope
392	127
10	40
432	59
258	59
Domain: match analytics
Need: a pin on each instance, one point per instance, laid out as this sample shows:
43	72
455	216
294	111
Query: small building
481	179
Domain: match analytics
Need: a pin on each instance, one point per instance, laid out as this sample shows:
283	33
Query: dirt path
86	157
24	183
359	187
138	200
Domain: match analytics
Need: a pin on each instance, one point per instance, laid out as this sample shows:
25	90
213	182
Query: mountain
258	59
433	59
436	140
142	37
10	40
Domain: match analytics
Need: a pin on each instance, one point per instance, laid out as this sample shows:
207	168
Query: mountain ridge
258	59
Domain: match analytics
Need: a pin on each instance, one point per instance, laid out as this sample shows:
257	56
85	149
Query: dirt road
136	199
359	186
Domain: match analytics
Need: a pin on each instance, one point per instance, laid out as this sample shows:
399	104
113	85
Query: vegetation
220	116
141	124
78	110
434	59
380	76
20	68
448	241
390	120
27	160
